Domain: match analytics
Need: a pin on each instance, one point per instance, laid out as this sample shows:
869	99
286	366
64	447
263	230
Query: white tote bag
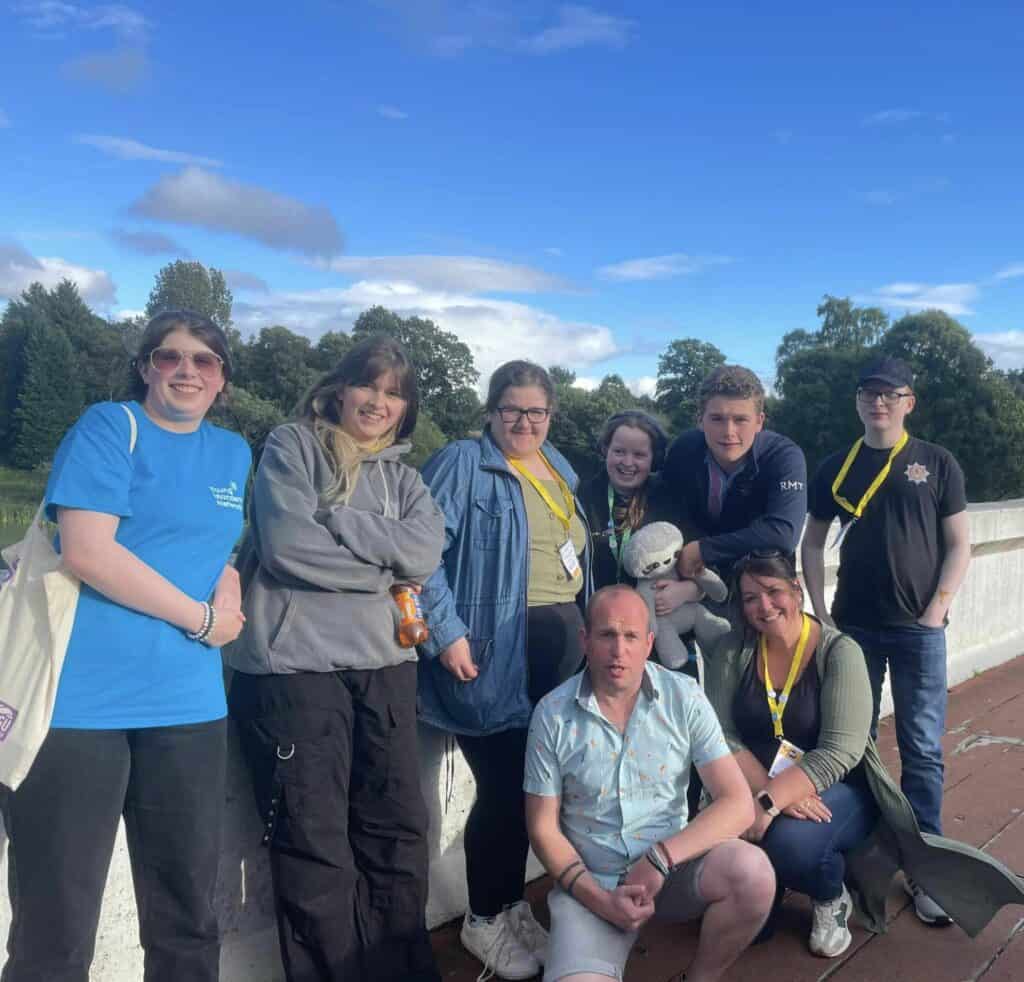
38	599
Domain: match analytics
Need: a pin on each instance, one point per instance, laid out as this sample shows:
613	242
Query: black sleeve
954	491
820	502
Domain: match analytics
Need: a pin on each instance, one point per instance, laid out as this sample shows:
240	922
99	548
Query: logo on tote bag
8	714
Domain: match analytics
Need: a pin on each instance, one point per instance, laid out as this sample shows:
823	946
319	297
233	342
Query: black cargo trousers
335	770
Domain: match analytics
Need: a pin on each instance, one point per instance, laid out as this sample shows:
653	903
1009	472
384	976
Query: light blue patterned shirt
621	791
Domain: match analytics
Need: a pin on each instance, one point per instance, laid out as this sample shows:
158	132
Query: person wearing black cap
904	542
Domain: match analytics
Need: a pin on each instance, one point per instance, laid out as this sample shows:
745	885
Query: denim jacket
479	590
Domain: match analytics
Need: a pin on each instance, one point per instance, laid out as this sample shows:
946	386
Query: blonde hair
321	408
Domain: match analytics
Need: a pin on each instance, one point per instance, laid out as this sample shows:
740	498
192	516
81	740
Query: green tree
845	326
444	367
329	350
682	367
50	399
190	285
426	438
279	367
963	403
20	314
247	414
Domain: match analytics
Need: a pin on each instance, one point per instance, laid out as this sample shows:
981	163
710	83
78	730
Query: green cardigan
968	883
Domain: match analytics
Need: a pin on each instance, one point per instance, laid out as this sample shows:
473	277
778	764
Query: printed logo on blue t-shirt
227	497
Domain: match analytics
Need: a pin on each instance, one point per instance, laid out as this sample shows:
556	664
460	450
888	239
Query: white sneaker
529	932
830	927
496	943
926	909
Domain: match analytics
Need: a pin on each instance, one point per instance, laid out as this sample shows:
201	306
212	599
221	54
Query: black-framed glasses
889	396
167	361
512	414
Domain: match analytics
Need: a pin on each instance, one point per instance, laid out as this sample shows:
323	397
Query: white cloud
127	149
892	116
117	71
127	314
53	18
645	385
1011	272
198	198
392	112
586	382
148	243
954	298
471	274
495	330
659	267
577	27
19	270
5	120
1005	348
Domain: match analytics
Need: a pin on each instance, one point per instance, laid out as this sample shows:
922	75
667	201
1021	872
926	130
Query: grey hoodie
318	600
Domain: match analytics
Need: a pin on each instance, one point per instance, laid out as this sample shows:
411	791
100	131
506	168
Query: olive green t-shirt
549	582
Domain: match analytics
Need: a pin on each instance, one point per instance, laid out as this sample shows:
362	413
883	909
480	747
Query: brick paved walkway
984	805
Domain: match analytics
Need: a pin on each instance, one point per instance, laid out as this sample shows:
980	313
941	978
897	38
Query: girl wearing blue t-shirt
148	500
324	694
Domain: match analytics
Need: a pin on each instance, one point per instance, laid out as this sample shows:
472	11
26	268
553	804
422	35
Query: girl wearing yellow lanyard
505	628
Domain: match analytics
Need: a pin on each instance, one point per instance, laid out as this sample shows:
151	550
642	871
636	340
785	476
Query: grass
20	494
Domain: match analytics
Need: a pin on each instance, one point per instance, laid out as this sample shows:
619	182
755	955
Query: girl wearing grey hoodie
324	695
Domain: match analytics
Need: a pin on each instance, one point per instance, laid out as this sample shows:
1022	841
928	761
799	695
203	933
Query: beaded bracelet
209	620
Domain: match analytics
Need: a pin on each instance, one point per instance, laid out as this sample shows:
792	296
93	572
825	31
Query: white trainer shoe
530	933
496	943
830	926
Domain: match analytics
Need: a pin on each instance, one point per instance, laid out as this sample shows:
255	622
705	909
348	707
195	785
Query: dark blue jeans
808	856
916	658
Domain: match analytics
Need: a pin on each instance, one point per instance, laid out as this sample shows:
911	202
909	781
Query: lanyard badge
777	700
856	511
566	552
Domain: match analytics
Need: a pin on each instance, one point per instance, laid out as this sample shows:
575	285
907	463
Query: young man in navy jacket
741	488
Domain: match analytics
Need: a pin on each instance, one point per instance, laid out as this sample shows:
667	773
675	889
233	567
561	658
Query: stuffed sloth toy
651	556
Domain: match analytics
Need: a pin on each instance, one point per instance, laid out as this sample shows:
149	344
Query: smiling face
179	397
520	439
628	459
729	427
371	409
772	606
617	642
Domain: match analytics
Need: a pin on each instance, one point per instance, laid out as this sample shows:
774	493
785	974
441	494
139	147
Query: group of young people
538	661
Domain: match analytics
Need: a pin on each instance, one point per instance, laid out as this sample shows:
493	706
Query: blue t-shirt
179	499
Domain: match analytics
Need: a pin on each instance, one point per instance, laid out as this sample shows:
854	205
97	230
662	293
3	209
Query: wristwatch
767	803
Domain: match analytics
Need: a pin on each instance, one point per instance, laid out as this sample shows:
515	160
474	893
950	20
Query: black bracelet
572	882
560	877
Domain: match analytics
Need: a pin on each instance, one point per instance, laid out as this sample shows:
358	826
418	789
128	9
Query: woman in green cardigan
794	701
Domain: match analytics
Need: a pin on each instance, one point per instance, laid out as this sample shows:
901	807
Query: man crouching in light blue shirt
607	765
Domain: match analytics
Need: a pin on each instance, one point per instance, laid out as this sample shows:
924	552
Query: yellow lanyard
777	700
858	509
564	516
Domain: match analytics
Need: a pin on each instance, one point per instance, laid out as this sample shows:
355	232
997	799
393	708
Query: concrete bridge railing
986	629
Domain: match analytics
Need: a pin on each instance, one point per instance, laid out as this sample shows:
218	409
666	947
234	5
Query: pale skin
737	880
774	608
729	427
883	427
627	461
177	402
522	441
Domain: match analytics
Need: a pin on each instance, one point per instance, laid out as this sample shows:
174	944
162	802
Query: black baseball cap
891	371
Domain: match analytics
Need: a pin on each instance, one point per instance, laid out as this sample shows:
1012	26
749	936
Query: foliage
247	414
426	439
581	415
682	367
184	285
277	367
51	395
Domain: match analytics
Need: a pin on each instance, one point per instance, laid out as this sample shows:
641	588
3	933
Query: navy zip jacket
765	505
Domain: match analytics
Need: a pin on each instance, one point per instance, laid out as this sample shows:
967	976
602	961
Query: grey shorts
583	942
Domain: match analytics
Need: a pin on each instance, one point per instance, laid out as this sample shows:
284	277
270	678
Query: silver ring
288	756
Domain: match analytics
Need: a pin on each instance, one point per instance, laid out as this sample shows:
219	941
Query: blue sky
575	183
